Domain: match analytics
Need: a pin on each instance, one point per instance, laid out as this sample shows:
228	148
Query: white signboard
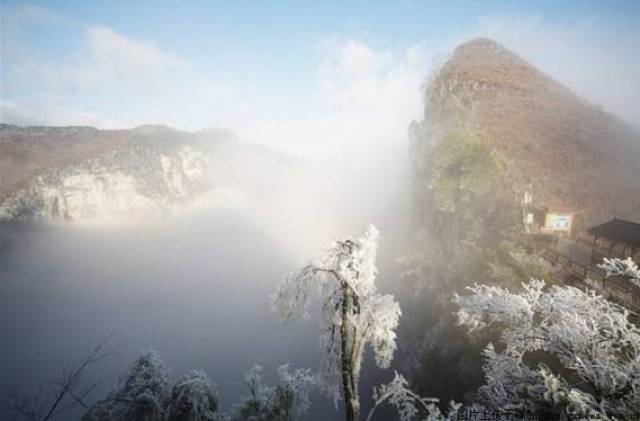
558	222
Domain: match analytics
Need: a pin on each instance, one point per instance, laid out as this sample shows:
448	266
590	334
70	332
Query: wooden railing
616	289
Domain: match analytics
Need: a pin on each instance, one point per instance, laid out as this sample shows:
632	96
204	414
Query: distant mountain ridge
569	153
26	151
74	173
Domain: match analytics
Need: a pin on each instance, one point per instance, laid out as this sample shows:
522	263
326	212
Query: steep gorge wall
75	173
119	183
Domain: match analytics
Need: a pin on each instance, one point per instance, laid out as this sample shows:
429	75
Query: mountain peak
482	63
153	129
587	158
481	44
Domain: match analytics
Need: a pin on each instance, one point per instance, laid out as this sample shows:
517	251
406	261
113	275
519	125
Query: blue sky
274	69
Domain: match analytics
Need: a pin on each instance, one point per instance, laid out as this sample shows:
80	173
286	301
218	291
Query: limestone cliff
76	173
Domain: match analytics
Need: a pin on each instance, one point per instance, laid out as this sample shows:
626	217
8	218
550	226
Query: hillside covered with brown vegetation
28	151
570	153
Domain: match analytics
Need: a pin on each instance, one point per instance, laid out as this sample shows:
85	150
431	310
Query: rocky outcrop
122	182
148	169
79	173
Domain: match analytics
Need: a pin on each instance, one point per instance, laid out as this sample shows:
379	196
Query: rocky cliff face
118	183
81	173
545	139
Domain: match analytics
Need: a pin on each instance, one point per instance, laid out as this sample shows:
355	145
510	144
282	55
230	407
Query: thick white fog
196	284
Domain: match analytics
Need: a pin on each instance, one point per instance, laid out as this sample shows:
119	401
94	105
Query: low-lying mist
196	285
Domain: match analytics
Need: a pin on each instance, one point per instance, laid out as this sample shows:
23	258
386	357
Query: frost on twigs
621	267
145	393
288	400
409	405
140	394
353	312
194	397
592	338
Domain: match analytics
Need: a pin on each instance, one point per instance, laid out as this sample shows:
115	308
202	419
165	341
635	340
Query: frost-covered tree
140	395
353	312
288	400
193	398
409	404
592	339
145	393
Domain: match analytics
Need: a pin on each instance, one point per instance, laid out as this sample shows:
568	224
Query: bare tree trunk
347	336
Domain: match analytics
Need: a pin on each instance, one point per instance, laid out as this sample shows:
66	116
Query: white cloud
112	57
363	102
113	80
354	121
354	75
351	57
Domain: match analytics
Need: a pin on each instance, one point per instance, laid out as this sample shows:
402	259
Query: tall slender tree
353	312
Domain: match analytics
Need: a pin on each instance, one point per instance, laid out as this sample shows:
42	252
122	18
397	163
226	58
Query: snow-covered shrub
409	405
146	394
192	398
286	401
140	395
619	267
591	338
